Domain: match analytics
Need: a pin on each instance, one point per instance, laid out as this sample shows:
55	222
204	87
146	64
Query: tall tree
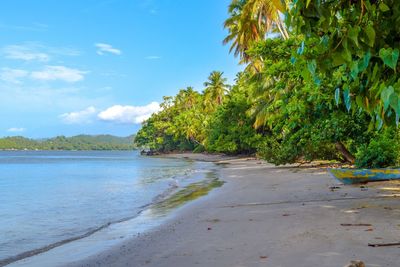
269	14
215	90
250	21
243	29
186	98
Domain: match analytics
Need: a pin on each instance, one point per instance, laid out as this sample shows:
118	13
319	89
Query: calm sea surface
47	197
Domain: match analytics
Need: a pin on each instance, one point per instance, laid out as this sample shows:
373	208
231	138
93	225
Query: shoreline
268	216
160	209
271	216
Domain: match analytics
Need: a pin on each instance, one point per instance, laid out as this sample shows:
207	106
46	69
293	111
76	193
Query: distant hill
79	142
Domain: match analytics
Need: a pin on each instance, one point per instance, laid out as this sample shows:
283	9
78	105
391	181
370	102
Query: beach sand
270	216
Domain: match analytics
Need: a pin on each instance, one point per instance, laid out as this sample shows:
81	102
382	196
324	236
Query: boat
356	176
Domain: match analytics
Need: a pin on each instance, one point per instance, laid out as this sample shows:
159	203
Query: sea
49	198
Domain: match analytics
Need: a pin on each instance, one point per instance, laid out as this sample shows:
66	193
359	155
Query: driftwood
356	224
384	245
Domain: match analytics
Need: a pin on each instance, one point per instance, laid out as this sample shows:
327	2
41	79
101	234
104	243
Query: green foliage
328	92
355	45
79	142
382	151
304	120
231	130
182	123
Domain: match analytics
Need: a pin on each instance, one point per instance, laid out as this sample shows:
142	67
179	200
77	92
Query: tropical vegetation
321	81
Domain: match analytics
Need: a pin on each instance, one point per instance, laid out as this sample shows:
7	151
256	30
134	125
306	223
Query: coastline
268	216
197	184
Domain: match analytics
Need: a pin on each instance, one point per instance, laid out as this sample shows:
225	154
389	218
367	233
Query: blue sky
101	66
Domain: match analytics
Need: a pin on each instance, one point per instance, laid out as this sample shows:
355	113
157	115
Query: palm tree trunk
344	152
282	29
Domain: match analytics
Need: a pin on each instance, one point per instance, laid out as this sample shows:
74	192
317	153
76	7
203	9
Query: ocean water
53	196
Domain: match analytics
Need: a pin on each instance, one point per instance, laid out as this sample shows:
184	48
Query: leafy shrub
199	149
230	129
381	152
294	147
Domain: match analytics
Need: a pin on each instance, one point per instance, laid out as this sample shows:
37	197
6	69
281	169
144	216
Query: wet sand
270	216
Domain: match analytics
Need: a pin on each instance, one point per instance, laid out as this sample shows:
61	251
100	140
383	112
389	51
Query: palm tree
186	98
215	89
269	14
250	21
243	29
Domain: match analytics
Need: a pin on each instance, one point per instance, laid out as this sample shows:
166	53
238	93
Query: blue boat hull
356	176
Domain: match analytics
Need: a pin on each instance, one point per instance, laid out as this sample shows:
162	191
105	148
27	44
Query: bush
199	149
381	152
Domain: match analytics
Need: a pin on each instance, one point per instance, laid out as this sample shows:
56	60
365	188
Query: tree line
321	81
79	142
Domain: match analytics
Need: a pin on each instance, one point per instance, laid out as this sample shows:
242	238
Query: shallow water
47	197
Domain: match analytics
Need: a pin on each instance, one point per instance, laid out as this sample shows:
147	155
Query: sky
71	67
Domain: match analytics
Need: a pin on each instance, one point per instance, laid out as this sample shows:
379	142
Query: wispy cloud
52	73
153	57
79	117
16	130
107	48
12	75
34	51
25	53
129	114
35	27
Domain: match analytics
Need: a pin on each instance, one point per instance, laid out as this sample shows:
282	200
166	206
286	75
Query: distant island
79	142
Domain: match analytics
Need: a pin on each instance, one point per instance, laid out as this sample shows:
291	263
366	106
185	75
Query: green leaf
385	96
374	72
300	51
383	7
308	2
354	69
360	102
347	99
312	66
369	30
395	103
346	55
353	34
379	122
338	59
389	57
337	96
363	64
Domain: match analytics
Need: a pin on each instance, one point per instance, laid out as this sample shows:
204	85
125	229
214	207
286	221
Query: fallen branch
356	224
384	245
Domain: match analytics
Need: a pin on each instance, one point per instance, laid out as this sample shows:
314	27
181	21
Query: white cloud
153	57
129	114
107	48
16	130
51	73
12	75
24	52
79	117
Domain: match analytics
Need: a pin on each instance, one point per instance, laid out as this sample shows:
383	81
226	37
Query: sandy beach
271	216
